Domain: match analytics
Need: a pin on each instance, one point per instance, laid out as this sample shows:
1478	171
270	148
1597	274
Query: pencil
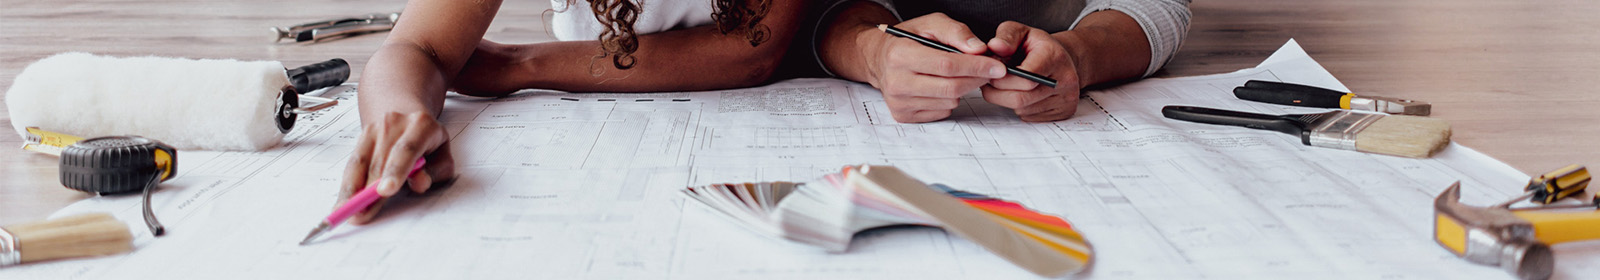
356	203
1041	79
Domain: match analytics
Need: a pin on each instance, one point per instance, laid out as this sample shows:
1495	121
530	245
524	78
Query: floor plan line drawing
585	186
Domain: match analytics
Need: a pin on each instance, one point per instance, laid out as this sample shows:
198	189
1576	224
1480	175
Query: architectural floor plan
585	186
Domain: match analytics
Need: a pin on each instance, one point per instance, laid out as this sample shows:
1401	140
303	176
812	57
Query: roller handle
1286	124
319	75
1290	94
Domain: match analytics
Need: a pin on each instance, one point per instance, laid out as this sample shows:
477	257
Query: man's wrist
845	43
869	44
1081	53
1107	46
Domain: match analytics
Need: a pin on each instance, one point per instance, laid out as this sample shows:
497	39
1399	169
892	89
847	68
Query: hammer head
1489	236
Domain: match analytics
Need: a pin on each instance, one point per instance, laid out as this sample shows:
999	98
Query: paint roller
202	104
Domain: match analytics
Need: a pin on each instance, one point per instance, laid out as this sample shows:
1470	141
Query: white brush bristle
203	104
1406	136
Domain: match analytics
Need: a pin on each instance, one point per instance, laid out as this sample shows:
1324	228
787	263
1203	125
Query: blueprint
585	186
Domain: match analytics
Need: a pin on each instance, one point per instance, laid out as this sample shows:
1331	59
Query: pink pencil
360	201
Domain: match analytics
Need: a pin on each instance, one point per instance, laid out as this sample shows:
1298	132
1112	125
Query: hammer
1516	240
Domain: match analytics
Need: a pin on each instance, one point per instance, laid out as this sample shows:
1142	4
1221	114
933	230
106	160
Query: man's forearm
1107	46
845	38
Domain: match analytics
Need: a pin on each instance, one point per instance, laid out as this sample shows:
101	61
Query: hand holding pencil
1034	97
390	143
1030	76
922	83
1042	52
360	201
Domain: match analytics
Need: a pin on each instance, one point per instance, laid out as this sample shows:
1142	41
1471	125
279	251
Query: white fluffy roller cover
203	104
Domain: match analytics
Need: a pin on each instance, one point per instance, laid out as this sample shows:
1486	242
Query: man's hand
921	83
1042	54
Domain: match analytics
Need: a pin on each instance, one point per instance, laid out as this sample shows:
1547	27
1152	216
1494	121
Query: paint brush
83	235
1406	136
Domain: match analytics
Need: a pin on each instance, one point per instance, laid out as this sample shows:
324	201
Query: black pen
1047	81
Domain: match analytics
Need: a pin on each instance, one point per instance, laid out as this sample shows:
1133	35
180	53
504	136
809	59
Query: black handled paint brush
1405	136
1310	96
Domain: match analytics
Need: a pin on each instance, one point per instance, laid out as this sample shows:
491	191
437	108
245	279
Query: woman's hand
387	150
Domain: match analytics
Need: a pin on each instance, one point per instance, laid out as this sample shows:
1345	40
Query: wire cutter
340	27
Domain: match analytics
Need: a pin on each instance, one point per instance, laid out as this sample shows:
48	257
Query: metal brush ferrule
1339	130
1391	105
9	255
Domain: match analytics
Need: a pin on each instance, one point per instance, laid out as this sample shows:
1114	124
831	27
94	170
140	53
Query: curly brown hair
619	40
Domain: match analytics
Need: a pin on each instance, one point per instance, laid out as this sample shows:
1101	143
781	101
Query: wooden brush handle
73	236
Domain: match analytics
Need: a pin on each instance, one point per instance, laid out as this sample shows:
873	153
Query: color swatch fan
827	213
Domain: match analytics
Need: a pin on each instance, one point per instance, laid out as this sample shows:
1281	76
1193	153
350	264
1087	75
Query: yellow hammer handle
1553	227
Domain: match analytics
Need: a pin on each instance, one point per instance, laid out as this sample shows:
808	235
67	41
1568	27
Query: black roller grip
1288	94
319	75
113	165
1286	124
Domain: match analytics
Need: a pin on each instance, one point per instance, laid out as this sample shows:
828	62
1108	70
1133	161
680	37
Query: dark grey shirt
1165	22
983	17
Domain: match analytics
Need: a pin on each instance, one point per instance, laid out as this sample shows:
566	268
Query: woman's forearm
695	58
699	58
421	56
401	78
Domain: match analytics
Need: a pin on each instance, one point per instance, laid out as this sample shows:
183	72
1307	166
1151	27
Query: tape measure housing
116	164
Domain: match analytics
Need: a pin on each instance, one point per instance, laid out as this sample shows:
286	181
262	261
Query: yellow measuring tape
109	165
39	140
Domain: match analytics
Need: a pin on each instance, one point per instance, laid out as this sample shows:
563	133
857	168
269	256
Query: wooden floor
1517	79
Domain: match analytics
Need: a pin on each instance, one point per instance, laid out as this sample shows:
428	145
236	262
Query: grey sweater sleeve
1165	24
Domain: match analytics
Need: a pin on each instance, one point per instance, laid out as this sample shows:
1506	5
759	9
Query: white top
577	22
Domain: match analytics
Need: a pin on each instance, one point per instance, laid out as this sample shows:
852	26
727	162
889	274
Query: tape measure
110	165
116	164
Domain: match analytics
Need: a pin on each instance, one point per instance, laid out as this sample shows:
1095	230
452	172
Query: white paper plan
584	186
